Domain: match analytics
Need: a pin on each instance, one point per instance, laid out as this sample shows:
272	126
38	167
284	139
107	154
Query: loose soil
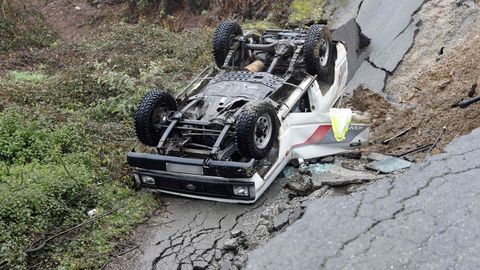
429	104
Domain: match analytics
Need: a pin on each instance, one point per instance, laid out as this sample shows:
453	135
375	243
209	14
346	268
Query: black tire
248	126
320	53
223	39
152	108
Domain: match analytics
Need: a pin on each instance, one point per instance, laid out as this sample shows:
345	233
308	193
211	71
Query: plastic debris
341	119
92	213
288	171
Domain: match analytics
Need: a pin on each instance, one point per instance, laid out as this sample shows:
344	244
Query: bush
23	141
22	28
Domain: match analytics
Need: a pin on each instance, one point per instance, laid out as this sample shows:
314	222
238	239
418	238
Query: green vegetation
306	10
259	26
21	28
64	135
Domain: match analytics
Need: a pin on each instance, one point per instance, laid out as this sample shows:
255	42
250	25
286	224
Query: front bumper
197	178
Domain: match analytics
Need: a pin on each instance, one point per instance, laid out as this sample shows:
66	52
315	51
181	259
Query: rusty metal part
255	66
396	136
437	140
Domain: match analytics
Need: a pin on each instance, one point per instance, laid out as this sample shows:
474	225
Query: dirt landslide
429	104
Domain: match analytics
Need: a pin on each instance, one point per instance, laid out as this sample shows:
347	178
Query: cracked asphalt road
427	218
192	234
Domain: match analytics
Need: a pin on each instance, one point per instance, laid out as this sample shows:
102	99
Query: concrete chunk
389	165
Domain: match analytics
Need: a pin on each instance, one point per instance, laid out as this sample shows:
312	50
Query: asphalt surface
391	27
196	234
428	218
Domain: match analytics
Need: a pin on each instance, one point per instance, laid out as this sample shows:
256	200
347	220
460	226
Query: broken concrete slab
389	25
389	165
369	76
377	156
231	244
236	233
295	215
281	220
318	180
299	183
335	180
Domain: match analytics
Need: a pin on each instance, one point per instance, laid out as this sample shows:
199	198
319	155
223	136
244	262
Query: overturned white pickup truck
233	129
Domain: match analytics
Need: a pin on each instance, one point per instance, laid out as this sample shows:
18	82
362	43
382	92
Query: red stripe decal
317	136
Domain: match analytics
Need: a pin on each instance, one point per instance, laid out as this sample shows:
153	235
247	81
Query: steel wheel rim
263	131
159	116
324	52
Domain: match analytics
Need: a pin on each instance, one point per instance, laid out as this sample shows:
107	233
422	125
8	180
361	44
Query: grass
22	28
306	10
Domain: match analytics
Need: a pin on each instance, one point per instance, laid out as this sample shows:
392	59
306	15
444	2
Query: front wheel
256	130
151	114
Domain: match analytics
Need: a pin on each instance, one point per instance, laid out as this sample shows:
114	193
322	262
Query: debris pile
441	105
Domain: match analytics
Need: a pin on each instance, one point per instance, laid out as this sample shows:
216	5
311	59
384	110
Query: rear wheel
256	130
151	113
223	39
319	53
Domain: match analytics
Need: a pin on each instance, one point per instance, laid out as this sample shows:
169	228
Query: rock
293	195
199	265
226	264
319	179
281	220
236	233
186	267
299	183
329	159
218	254
208	256
231	244
262	230
295	215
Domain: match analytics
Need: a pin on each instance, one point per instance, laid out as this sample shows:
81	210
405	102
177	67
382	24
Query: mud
421	95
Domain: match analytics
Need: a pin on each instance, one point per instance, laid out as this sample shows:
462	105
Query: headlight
148	180
240	191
